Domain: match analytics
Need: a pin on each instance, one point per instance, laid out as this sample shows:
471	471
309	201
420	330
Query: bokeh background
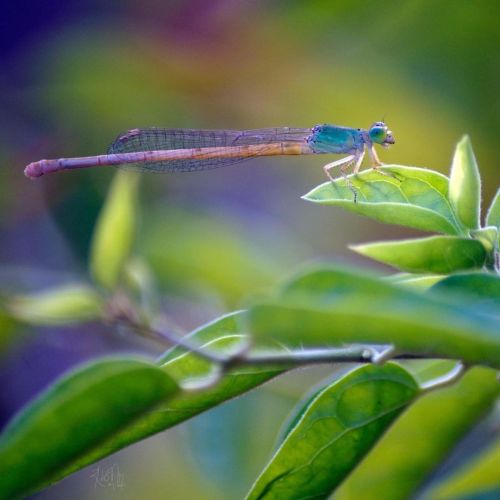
74	74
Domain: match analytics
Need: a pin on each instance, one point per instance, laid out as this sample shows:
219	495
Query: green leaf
140	283
330	307
427	370
477	476
415	281
479	285
298	412
224	326
422	438
480	291
324	284
434	254
408	196
488	236
61	305
114	232
220	336
493	214
334	433
465	185
73	417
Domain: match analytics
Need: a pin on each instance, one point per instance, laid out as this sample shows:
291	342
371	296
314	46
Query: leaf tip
465	139
356	247
465	185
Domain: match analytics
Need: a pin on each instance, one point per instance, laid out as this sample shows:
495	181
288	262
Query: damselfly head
379	133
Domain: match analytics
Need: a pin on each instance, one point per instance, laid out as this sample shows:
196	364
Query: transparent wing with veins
155	139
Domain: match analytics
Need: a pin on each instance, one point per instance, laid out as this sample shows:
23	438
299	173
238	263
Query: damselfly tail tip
33	170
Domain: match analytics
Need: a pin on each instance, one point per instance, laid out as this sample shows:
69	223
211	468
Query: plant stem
244	357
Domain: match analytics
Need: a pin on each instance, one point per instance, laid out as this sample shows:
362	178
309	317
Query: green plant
381	426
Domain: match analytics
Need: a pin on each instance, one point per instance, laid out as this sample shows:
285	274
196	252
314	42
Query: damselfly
189	150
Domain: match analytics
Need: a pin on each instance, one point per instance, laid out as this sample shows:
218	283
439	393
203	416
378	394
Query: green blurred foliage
474	480
193	251
66	304
115	231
